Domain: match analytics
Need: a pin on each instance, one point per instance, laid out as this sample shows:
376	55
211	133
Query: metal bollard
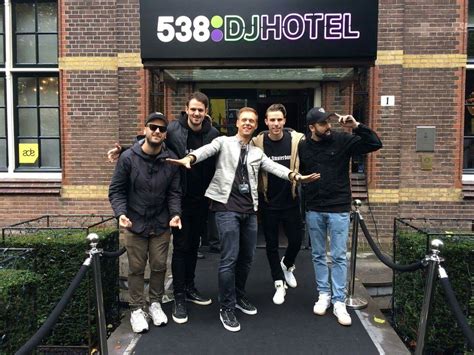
433	261
95	255
352	301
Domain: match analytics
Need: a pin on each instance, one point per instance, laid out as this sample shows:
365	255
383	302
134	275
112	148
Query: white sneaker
138	321
340	312
157	315
288	272
324	302
280	292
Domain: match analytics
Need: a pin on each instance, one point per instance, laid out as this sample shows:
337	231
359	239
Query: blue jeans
238	239
336	225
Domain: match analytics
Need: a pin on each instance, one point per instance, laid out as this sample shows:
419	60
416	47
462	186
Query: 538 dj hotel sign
181	29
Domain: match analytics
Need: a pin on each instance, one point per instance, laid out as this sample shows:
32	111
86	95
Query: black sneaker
180	313
200	255
245	306
193	295
228	319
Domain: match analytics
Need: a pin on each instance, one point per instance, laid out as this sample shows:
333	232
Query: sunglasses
154	127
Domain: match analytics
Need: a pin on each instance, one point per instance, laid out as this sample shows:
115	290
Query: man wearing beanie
145	194
328	200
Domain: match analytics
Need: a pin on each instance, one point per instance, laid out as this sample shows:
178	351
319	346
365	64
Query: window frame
35	33
39	136
10	70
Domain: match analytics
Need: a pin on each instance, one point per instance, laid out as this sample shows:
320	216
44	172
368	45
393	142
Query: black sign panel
258	29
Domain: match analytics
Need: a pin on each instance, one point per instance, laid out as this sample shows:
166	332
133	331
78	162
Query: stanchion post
352	301
101	323
433	261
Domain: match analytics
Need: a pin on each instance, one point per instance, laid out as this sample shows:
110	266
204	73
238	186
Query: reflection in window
37	110
35	33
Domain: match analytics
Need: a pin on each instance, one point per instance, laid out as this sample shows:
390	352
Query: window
468	153
37	110
30	144
35	38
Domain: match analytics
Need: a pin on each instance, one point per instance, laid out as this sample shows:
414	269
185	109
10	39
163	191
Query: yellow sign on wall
28	153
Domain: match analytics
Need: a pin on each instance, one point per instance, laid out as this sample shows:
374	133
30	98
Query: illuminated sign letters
234	28
249	29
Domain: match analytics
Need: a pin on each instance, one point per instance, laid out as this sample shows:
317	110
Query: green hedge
17	308
57	257
443	333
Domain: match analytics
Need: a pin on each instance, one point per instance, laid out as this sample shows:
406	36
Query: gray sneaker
138	321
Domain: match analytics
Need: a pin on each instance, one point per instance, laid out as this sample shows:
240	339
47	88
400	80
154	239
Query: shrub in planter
443	333
58	256
17	308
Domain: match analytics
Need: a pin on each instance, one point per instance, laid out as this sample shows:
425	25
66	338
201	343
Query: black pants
293	227
212	235
186	244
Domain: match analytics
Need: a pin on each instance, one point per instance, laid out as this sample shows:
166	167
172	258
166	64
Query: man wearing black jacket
328	200
190	131
145	194
186	134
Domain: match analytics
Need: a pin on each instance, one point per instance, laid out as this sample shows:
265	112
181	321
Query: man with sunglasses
190	131
145	194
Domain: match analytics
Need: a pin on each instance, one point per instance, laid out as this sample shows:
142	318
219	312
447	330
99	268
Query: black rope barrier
456	309
402	268
113	254
33	342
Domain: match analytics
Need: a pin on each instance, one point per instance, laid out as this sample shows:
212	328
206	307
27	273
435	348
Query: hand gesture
347	121
176	222
124	222
114	153
307	178
186	161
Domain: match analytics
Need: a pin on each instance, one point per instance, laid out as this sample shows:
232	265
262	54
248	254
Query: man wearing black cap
145	194
189	132
328	200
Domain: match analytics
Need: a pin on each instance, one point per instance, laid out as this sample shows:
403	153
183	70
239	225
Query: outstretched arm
304	178
187	161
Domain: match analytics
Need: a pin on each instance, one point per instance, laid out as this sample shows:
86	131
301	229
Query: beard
153	144
324	136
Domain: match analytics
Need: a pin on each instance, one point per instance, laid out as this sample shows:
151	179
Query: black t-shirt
279	190
238	201
195	187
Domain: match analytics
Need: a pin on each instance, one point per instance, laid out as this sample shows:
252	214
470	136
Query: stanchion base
356	302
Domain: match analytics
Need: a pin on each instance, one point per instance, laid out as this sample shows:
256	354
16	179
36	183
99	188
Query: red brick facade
105	94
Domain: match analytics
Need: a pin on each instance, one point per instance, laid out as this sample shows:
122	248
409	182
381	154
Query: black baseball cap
156	116
317	114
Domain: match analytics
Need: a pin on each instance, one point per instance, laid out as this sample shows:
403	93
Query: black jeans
238	237
186	244
293	228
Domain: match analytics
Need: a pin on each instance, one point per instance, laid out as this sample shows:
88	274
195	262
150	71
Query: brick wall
105	96
421	62
103	100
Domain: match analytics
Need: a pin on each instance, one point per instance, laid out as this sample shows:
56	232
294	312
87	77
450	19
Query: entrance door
225	103
296	102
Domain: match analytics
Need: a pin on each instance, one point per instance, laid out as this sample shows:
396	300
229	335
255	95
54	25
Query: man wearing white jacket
234	199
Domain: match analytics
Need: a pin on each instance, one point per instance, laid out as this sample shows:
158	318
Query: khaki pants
139	250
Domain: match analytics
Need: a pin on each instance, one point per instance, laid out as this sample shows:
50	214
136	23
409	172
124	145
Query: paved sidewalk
369	270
